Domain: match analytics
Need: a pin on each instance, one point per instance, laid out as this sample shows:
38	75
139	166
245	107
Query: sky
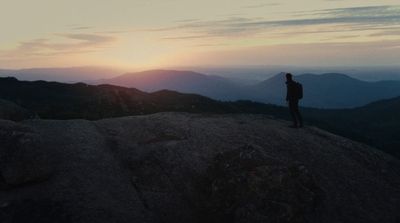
157	33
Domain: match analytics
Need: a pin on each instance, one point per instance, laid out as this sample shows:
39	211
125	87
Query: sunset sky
160	33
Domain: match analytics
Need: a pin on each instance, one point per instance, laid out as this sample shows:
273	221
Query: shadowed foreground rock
176	167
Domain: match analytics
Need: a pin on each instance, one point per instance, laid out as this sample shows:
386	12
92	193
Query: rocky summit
179	167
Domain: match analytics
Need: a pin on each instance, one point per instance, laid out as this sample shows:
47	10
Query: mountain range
63	74
68	101
376	124
326	90
330	90
182	81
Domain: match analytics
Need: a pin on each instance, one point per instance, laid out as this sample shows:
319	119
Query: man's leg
292	109
297	114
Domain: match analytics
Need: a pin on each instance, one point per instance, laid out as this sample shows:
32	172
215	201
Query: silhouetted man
294	94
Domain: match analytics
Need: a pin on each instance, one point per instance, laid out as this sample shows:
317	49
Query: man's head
289	76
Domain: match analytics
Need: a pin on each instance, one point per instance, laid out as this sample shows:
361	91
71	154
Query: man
294	94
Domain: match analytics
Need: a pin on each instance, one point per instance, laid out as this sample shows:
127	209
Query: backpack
298	90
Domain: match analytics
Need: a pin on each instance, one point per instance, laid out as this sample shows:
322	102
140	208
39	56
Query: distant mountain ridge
61	74
183	81
327	90
330	90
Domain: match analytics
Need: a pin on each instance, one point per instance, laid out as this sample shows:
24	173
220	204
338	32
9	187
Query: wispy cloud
90	38
355	18
262	5
312	54
388	33
82	27
187	20
186	37
366	11
69	44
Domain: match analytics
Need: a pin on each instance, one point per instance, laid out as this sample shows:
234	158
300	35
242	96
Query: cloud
388	33
186	37
90	38
262	5
355	18
68	44
82	27
312	54
386	11
187	20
